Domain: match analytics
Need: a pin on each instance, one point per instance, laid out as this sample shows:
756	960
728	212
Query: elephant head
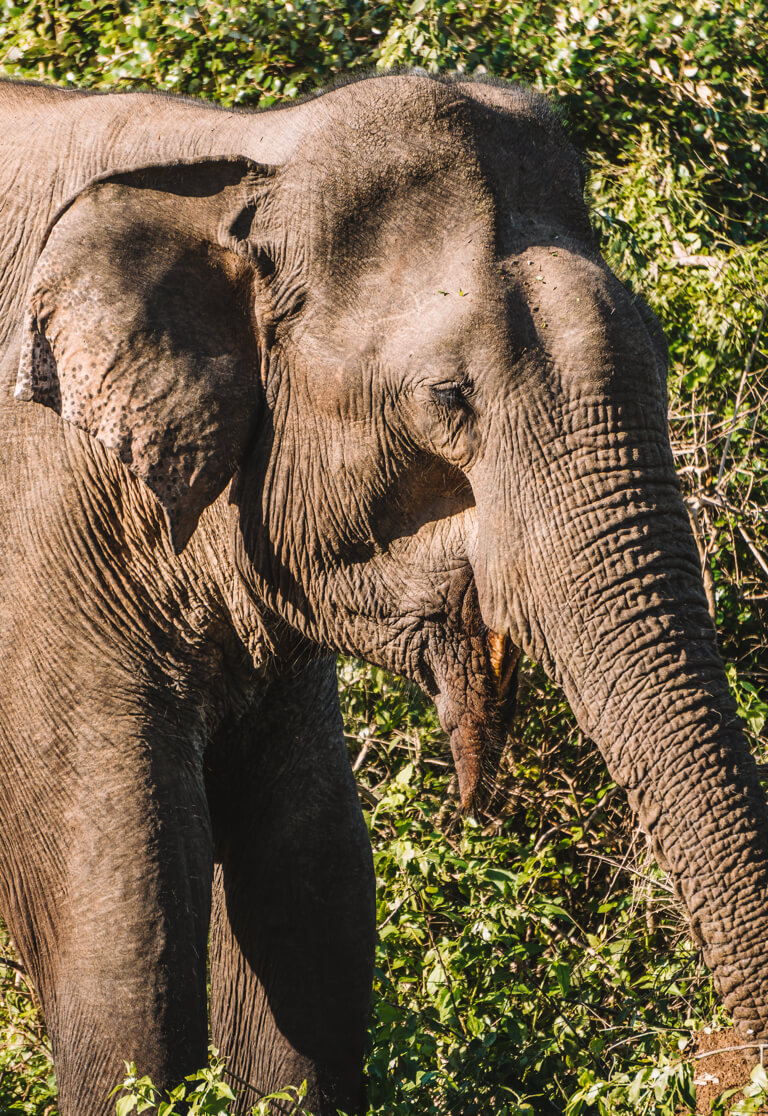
404	344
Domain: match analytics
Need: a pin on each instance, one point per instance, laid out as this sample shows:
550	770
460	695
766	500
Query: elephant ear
145	326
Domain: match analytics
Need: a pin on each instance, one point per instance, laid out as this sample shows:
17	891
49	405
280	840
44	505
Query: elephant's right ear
146	325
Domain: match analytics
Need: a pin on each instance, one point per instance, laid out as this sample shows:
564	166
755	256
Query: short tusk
497	646
503	656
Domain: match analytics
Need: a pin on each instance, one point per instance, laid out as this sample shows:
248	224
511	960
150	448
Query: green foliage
244	53
27	1084
694	73
664	1088
523	958
204	1093
751	1099
534	956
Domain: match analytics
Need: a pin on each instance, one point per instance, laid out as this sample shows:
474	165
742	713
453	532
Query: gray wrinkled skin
347	376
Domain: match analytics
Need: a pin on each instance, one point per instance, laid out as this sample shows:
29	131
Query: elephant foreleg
111	911
293	912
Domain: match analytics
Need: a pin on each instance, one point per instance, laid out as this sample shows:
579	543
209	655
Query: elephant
347	376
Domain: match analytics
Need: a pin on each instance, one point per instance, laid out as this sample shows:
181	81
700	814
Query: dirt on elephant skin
723	1060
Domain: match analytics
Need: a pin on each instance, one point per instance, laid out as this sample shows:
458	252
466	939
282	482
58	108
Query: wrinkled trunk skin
597	576
662	716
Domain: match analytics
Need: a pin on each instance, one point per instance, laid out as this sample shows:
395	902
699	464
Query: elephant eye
451	396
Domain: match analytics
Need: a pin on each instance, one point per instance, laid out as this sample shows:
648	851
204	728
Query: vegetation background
532	960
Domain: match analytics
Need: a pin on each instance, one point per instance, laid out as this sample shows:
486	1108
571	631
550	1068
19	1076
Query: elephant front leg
111	910
293	915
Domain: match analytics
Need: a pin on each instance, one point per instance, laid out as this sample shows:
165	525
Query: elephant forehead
569	307
386	140
406	265
385	123
411	313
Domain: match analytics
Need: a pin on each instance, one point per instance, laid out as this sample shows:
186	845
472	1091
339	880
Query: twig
719	502
689	259
242	1081
618	866
13	965
394	911
740	392
753	550
633	871
368	796
694	515
360	760
439	956
634	1038
405	747
730	1049
681	258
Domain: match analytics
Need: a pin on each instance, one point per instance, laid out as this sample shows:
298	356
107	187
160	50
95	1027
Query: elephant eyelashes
450	397
450	428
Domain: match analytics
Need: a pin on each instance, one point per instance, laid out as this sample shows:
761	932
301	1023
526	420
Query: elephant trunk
600	580
667	728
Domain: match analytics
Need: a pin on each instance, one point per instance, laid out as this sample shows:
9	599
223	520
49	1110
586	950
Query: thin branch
361	756
753	550
13	965
740	392
728	1049
368	796
694	515
633	871
394	911
681	258
439	956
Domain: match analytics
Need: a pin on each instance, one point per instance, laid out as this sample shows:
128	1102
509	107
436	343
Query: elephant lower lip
468	770
476	750
478	730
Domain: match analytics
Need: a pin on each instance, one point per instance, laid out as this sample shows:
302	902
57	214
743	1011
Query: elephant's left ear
145	326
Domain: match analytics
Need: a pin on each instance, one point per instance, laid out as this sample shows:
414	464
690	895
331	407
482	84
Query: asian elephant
347	376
